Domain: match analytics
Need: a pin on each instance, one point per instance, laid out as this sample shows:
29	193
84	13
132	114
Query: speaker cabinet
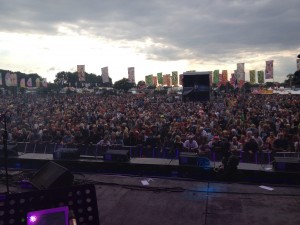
286	164
117	155
52	175
66	153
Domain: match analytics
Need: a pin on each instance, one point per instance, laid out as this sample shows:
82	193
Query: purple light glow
32	219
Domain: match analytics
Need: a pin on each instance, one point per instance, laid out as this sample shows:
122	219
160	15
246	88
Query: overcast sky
47	37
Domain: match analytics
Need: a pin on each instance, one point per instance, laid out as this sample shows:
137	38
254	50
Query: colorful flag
181	79
29	82
216	77
160	78
175	78
11	79
22	83
38	82
233	80
298	64
154	80
240	72
269	70
260	77
105	76
81	72
167	80
224	77
149	80
252	76
131	75
45	84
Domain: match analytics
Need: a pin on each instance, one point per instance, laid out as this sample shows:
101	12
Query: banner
131	75
260	77
160	78
44	83
298	64
154	80
240	72
105	76
37	82
167	80
252	76
224	77
216	77
175	78
11	79
269	70
233	80
29	82
22	83
181	79
81	72
149	80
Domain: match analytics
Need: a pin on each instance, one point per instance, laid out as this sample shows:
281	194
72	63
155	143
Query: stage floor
124	200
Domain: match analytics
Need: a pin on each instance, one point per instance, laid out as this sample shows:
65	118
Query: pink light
32	219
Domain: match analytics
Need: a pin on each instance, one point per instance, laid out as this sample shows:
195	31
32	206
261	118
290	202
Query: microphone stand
5	138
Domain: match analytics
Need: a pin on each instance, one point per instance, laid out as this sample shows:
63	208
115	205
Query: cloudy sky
47	37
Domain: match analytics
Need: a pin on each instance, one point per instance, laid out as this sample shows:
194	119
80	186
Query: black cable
206	204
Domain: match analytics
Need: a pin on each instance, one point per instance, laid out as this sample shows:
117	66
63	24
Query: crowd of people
236	122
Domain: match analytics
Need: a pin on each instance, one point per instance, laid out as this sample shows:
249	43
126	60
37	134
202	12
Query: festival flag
37	82
298	64
181	79
160	78
175	78
216	77
149	80
44	83
81	72
22	83
240	72
260	77
29	82
131	75
154	80
269	70
105	76
11	79
1	79
167	80
233	80
224	77
252	76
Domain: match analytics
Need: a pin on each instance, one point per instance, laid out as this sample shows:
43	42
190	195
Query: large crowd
247	122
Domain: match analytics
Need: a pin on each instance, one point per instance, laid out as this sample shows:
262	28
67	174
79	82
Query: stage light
32	219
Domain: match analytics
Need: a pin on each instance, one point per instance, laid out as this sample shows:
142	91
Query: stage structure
196	86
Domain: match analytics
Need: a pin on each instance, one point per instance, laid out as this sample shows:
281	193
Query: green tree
123	84
141	83
290	79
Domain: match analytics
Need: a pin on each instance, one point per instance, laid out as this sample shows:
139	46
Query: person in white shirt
190	145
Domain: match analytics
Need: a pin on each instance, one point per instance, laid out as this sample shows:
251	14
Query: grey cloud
192	29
